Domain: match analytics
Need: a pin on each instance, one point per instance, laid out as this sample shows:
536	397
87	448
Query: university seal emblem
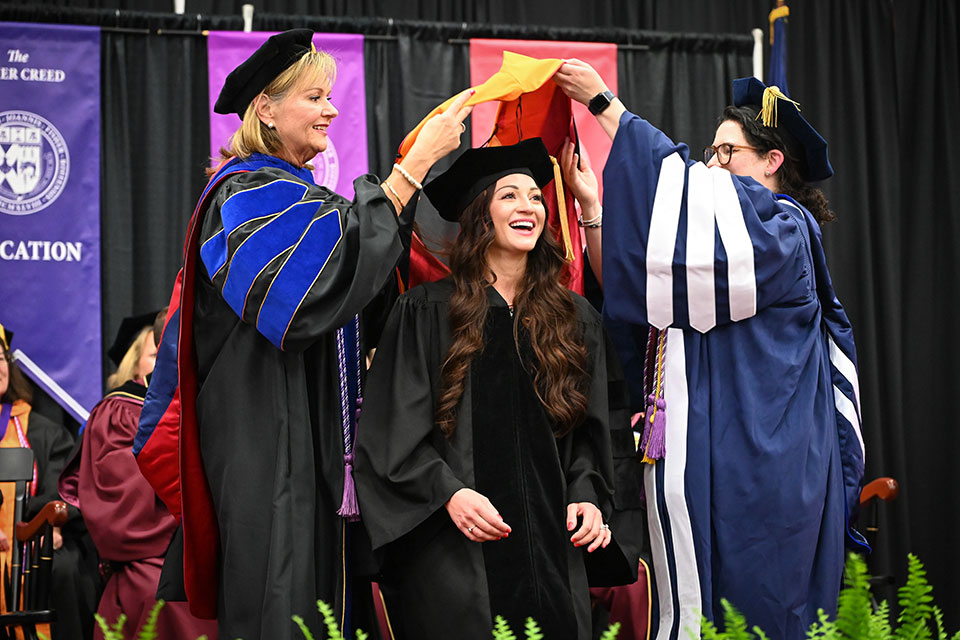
34	163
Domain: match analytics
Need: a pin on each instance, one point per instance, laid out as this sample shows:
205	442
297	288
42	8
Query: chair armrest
53	513
885	489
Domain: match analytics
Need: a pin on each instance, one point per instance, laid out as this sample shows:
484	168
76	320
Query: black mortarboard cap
477	169
129	328
779	111
274	56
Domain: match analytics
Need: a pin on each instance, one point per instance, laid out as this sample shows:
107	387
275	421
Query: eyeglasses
723	152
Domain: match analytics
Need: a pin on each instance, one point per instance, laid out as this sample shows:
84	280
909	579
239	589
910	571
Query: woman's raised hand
581	180
593	531
476	518
579	80
441	134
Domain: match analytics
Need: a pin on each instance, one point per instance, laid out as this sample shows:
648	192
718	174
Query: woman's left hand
593	531
581	180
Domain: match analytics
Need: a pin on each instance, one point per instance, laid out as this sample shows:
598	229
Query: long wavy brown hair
543	306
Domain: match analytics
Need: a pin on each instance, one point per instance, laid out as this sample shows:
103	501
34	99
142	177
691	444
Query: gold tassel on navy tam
768	108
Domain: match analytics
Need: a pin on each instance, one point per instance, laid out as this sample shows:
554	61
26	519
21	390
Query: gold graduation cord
646	571
562	210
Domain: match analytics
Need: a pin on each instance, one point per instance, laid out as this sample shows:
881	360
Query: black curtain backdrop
928	231
151	166
879	79
853	106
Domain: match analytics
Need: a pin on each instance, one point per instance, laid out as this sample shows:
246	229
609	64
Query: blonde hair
128	365
254	136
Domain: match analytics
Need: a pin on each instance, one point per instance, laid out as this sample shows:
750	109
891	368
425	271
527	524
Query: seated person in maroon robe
129	525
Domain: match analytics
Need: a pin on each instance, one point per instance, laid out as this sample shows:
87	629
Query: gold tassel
562	209
768	109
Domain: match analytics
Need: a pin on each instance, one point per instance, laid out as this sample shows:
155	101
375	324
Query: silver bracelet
592	223
408	177
394	192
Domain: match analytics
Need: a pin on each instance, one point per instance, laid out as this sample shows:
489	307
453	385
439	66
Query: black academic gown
436	582
268	412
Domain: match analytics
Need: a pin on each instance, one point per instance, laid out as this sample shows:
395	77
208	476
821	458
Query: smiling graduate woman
484	466
283	286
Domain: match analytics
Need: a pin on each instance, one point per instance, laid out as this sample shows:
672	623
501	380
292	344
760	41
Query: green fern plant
857	618
854	610
735	626
823	628
612	632
501	629
147	632
329	621
941	632
531	630
916	602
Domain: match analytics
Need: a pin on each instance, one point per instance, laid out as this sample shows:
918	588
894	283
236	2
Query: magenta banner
50	204
346	155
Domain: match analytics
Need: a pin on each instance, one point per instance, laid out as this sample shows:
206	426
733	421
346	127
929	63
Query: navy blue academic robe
764	454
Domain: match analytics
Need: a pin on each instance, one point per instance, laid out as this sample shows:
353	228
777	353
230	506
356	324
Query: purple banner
346	155
50	202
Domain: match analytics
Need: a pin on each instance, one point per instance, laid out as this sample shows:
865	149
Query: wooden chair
26	583
881	489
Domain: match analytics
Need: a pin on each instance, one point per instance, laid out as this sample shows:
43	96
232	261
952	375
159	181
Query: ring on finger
470	528
605	526
463	127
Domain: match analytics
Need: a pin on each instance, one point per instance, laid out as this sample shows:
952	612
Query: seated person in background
129	525
134	350
75	583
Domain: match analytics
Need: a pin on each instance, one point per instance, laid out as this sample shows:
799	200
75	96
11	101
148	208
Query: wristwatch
600	102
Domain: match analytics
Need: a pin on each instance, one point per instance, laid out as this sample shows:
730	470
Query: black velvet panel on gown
517	467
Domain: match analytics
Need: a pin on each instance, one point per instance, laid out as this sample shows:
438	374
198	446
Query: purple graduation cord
349	510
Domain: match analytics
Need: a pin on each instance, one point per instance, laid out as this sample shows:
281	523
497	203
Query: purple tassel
654	429
349	510
356	413
648	411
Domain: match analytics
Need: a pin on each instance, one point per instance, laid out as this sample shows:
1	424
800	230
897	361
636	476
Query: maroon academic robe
128	523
